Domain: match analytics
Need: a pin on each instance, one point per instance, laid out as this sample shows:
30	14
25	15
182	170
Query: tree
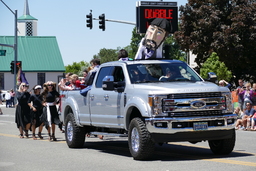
106	55
135	41
77	68
174	49
212	64
227	27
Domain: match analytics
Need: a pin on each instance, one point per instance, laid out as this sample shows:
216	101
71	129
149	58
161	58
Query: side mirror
120	86
212	77
108	83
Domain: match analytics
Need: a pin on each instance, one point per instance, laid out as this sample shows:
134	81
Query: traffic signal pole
118	21
102	20
15	46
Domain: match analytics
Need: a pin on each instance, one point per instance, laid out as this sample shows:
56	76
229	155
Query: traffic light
18	65
102	22
12	67
89	20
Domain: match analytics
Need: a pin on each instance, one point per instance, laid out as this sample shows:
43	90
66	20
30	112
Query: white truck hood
179	87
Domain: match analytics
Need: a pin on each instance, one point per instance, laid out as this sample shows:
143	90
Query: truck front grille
183	105
196	113
194	95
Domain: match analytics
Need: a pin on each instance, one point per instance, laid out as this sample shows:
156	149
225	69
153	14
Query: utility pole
15	46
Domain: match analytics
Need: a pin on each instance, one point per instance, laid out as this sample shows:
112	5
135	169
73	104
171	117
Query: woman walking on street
36	106
50	99
22	114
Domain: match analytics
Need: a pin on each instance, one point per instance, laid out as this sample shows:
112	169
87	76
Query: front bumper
176	125
183	129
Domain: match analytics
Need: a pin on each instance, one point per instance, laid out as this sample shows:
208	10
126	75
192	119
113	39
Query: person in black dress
22	114
36	109
50	99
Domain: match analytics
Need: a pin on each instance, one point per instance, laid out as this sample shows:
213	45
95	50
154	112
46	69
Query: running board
109	134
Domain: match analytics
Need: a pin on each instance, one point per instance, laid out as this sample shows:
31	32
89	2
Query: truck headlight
227	102
155	102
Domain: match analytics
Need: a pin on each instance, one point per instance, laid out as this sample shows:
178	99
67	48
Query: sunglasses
49	85
25	85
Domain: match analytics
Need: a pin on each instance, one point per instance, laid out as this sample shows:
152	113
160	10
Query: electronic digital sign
146	10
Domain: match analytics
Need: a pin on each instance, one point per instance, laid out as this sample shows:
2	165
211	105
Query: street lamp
15	46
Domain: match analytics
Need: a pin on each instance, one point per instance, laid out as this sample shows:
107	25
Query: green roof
37	53
26	17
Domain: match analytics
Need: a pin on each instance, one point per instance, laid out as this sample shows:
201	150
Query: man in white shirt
8	99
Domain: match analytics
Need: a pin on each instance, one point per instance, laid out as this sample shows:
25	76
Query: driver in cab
169	75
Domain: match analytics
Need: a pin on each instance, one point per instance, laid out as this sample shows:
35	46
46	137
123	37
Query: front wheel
74	134
140	143
224	146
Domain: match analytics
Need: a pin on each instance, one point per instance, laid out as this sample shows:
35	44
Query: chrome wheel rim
135	139
69	131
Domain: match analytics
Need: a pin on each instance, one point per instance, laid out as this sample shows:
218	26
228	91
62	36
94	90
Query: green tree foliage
135	41
227	27
106	55
174	49
212	64
77	68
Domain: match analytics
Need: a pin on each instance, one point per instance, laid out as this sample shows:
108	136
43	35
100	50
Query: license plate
198	126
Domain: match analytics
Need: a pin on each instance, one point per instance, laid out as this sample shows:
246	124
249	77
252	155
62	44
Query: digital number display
144	13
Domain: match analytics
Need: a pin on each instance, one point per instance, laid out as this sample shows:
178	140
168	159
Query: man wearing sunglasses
248	115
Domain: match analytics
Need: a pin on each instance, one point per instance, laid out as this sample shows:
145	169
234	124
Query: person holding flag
20	76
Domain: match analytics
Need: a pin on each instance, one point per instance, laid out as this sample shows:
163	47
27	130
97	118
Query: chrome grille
196	113
179	105
194	95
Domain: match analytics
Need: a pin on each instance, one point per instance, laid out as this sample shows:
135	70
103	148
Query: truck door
106	106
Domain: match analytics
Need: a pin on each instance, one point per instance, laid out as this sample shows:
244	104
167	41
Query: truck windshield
163	72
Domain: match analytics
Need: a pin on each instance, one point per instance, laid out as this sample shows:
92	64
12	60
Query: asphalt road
112	153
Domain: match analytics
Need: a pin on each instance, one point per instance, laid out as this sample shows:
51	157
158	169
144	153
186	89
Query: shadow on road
166	152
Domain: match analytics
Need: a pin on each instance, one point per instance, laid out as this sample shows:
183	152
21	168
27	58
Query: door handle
91	97
106	97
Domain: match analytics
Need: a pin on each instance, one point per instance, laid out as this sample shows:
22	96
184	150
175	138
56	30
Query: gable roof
37	53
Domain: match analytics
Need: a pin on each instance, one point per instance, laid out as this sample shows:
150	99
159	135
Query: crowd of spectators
246	109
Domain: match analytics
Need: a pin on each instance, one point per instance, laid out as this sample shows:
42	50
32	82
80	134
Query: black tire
223	147
74	134
140	143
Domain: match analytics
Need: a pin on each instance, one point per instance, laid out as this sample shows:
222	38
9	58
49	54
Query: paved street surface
112	153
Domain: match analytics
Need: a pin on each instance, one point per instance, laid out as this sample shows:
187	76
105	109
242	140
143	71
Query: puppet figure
151	46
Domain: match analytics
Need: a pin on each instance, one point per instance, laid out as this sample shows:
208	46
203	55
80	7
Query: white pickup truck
150	101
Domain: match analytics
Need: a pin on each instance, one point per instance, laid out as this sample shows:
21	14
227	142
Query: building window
1	81
29	29
40	78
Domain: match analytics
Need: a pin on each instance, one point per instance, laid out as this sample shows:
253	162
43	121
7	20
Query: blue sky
66	20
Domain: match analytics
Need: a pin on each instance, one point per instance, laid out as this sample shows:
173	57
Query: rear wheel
140	143
75	135
224	146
